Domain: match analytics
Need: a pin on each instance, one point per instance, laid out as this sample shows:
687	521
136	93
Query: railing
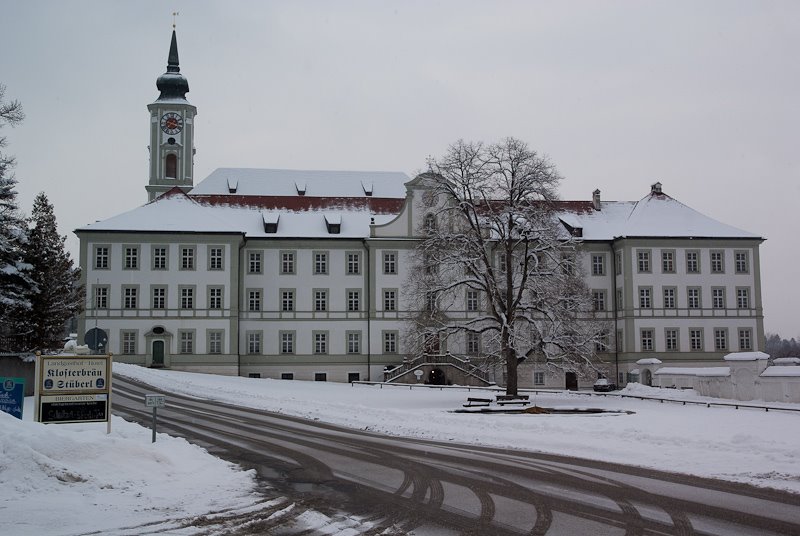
435	359
468	388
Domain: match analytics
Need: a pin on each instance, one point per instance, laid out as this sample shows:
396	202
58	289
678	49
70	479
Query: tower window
171	166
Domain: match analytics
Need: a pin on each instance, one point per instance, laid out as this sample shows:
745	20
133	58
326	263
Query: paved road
400	486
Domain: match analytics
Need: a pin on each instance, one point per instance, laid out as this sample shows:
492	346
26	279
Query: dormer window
233	185
271	222
333	223
171	166
301	187
368	187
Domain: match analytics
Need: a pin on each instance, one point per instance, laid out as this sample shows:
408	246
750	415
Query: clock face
171	123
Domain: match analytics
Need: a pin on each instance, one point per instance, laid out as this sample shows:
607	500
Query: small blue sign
12	396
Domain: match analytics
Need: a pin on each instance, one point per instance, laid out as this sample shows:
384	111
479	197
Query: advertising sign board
12	396
73	389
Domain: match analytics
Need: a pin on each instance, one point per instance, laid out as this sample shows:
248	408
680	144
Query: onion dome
172	84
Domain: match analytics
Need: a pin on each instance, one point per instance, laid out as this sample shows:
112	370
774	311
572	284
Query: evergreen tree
16	286
60	296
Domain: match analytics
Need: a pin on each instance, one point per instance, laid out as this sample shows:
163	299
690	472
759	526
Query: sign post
155	402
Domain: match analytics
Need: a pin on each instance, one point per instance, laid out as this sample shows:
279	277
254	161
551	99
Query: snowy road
399	486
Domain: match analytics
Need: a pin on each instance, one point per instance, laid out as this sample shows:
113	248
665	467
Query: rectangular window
254	262
389	262
254	342
619	300
742	262
187	298
598	265
320	342
473	343
718	297
645	298
717	262
353	263
390	300
253	300
320	262
187	258
669	297
131	258
647	340
159	299
568	264
599	300
320	376
668	262
389	342
671	339
353	300
287	300
215	258
159	258
320	300
101	297
692	262
643	258
215	297
186	342
743	298
601	342
128	342
101	257
696	340
538	378
472	301
353	377
720	339
215	342
693	297
353	342
619	341
287	375
287	342
745	339
129	295
287	262
619	262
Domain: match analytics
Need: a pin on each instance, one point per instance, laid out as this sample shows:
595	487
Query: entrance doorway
571	381
158	354
647	377
436	377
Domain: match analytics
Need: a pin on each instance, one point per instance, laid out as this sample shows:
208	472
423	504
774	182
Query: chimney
596	199
655	188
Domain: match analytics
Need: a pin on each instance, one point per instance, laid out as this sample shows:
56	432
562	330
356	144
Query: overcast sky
702	96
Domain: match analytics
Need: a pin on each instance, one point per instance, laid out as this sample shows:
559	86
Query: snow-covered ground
75	479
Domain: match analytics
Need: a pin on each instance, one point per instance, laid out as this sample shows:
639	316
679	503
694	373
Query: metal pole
154	424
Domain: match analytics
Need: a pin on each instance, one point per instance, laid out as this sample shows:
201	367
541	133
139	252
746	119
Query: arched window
171	166
430	224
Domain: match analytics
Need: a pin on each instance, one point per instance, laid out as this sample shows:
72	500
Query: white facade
301	274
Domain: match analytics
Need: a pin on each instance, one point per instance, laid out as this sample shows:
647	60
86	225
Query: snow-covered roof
655	215
781	371
693	371
786	361
746	356
178	212
288	182
649	361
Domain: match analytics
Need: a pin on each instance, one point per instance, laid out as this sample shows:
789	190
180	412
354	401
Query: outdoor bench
477	402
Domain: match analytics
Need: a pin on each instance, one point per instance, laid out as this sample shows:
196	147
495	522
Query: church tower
171	131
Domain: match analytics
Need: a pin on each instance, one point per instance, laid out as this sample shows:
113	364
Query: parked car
603	385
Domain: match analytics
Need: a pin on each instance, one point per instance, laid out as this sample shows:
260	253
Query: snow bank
73	478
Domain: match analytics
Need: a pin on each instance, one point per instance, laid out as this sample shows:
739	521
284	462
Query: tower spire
172	84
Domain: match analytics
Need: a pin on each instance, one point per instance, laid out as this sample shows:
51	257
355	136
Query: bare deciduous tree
491	228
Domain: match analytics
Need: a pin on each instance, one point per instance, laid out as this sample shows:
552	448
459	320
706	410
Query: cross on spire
174	15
